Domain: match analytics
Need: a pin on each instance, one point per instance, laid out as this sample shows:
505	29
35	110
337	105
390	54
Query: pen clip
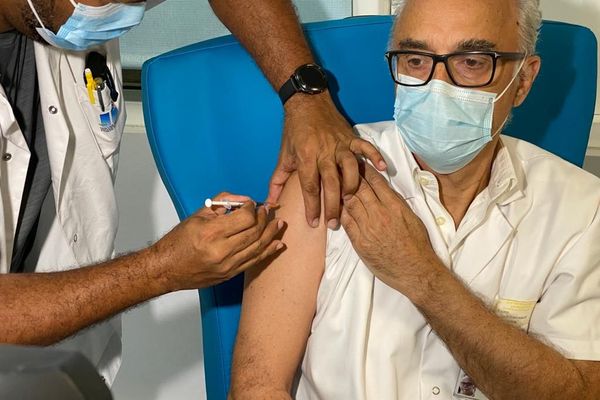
114	95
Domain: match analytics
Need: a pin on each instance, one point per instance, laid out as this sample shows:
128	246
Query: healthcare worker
61	119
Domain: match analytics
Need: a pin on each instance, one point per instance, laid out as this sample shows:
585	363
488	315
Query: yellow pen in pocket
90	85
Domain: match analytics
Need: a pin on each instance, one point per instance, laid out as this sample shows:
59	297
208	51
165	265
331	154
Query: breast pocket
106	118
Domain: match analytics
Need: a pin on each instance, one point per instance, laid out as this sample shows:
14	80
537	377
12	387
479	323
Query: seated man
471	271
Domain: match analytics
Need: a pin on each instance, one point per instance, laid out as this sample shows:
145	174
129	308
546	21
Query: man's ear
529	72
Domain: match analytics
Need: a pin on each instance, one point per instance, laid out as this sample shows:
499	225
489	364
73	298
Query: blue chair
214	125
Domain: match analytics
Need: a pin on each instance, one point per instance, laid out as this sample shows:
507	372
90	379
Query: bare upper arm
279	304
590	373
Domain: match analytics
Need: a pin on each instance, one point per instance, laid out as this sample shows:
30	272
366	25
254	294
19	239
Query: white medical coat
83	160
529	246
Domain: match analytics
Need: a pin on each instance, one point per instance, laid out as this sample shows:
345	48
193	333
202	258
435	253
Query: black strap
287	90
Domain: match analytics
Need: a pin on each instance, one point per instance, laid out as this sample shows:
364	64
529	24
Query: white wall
162	343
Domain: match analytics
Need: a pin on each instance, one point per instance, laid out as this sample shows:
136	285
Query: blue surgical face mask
90	26
445	125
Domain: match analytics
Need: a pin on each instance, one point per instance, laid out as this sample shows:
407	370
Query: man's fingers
366	195
273	248
380	186
239	219
356	207
362	147
308	174
331	188
349	224
254	250
348	164
278	180
243	239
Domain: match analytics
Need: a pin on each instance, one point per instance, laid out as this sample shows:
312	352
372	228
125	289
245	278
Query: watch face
311	79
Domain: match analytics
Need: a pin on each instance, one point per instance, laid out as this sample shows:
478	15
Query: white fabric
81	222
532	235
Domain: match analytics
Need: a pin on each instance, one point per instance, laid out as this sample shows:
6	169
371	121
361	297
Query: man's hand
317	140
320	144
387	235
213	246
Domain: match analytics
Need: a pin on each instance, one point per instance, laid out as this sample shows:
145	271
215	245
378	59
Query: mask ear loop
37	16
501	126
504	92
513	78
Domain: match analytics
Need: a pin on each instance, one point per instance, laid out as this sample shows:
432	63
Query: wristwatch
308	79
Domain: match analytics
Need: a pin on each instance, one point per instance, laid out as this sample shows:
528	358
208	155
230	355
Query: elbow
256	391
582	381
259	394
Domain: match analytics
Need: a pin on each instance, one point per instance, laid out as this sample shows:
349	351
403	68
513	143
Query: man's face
446	26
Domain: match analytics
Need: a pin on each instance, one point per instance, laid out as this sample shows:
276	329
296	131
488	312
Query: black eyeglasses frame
443	58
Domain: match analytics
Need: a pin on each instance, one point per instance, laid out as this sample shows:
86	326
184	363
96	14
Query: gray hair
530	20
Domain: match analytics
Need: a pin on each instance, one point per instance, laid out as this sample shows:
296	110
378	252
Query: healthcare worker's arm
504	361
317	140
278	307
205	249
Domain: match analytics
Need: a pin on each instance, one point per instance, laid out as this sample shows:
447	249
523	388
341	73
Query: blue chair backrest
214	125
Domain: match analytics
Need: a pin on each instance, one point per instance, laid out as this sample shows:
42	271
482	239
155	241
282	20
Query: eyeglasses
465	69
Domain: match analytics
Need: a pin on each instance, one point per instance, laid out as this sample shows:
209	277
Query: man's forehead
447	25
471	44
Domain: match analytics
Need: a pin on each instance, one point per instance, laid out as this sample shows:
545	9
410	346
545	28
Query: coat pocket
105	117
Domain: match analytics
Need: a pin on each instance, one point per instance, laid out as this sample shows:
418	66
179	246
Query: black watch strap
287	90
308	79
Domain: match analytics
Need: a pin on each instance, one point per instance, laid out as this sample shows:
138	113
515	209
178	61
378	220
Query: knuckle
327	163
307	152
247	217
330	181
212	255
310	188
258	246
254	233
348	160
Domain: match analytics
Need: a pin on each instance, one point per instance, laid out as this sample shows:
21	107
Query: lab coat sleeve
568	314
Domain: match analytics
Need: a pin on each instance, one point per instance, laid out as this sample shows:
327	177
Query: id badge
465	388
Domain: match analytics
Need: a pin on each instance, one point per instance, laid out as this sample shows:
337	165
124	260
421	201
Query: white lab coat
528	247
79	226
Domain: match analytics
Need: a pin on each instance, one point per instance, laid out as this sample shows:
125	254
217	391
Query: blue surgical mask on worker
89	26
445	125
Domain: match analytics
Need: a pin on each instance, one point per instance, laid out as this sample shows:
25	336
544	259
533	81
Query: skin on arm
503	360
317	139
278	308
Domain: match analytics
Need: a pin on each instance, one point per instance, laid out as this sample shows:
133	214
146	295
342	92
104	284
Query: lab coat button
52	109
440	221
75	238
423	181
435	390
6	156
